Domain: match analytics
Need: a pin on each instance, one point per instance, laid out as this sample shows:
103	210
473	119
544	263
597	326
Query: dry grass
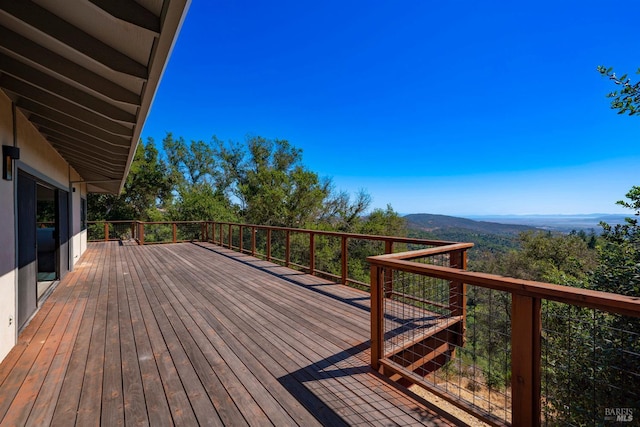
474	392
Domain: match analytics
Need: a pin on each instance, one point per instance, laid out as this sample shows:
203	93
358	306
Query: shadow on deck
191	334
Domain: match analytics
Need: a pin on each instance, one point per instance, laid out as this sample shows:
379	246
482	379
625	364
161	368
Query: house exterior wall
8	269
40	159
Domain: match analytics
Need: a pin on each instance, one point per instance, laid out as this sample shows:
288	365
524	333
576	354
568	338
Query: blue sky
449	107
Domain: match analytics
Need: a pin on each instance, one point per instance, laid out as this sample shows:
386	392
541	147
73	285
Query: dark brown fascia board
36	54
41	96
75	133
131	12
97	122
57	28
47	83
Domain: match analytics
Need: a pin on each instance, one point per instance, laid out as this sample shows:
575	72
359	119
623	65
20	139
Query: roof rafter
59	29
131	12
68	121
37	54
61	103
50	124
44	81
101	146
88	153
63	117
79	160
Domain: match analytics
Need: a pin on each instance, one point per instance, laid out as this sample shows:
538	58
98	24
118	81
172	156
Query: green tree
148	186
190	164
341	213
593	357
195	171
201	202
627	98
273	187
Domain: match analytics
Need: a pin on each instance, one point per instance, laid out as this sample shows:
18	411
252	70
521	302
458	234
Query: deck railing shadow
290	276
345	366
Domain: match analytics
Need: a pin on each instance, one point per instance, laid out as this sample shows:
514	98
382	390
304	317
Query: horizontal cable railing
145	233
509	351
111	230
337	256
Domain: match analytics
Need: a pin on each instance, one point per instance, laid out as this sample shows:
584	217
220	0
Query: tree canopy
259	181
627	99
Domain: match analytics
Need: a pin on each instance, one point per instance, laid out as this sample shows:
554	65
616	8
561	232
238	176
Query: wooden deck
189	334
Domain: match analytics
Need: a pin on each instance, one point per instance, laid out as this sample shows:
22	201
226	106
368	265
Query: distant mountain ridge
508	225
433	223
561	223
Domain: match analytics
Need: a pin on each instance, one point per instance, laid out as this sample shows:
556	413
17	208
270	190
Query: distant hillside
561	223
485	235
436	224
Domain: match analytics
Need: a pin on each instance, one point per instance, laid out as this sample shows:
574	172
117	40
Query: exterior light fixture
9	154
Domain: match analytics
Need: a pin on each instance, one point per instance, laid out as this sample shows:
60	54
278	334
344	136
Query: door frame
56	185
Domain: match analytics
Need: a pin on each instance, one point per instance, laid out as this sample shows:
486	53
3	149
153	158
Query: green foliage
191	164
147	186
543	256
592	356
619	269
200	203
627	99
273	186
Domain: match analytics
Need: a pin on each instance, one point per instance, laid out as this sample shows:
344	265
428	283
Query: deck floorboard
196	334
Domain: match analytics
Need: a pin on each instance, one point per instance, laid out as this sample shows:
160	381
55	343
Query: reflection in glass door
46	237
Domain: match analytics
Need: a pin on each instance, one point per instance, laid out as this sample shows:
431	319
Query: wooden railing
243	237
111	230
525	318
150	232
436	265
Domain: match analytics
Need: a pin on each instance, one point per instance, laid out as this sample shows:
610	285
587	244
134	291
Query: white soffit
85	73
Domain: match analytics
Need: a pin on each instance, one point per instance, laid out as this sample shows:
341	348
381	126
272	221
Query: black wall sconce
9	154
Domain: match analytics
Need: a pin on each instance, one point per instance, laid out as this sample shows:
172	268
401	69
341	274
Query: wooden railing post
230	237
388	274
525	361
345	260
106	231
253	241
458	293
240	237
141	233
287	248
377	316
312	253
174	229
268	244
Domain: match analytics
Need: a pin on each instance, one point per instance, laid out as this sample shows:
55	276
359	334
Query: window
83	213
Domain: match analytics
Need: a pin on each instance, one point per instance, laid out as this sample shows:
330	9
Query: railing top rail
118	221
170	222
425	252
614	303
102	221
395	239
